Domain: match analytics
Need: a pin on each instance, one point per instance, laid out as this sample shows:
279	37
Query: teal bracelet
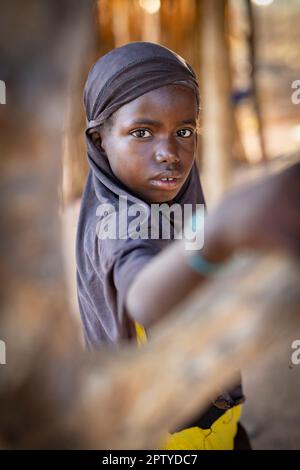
201	266
195	260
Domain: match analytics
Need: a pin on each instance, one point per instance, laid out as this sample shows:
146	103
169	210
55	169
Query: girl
142	105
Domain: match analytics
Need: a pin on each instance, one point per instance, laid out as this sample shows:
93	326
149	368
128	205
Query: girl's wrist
199	264
214	253
207	261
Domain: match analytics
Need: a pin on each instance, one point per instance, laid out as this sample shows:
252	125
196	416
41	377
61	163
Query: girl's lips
166	184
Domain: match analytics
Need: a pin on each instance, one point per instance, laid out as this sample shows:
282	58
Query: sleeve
126	268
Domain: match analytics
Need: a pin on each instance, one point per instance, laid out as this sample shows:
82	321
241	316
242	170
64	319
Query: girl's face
152	141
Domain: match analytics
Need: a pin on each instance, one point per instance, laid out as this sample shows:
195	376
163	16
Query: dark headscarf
105	268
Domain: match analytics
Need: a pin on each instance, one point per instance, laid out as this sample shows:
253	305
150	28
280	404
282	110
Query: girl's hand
264	216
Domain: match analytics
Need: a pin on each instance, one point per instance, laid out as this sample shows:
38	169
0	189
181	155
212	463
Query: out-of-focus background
177	24
266	130
263	119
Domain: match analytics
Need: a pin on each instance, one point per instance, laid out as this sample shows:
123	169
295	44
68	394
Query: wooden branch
231	324
252	42
217	109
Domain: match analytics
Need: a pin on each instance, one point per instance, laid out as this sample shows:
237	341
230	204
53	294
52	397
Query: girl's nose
167	153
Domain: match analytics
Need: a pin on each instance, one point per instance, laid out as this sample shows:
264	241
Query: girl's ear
96	138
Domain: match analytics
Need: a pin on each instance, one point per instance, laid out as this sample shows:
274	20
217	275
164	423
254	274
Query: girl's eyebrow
151	122
188	121
148	122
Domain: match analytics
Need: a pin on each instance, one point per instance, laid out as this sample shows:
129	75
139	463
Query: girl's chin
163	198
157	196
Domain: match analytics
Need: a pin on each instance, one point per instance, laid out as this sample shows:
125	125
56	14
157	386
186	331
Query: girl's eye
141	133
185	133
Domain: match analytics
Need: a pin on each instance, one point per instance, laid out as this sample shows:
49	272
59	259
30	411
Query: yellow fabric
141	336
219	437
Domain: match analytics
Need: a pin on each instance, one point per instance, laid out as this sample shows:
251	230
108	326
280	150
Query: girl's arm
162	283
264	216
